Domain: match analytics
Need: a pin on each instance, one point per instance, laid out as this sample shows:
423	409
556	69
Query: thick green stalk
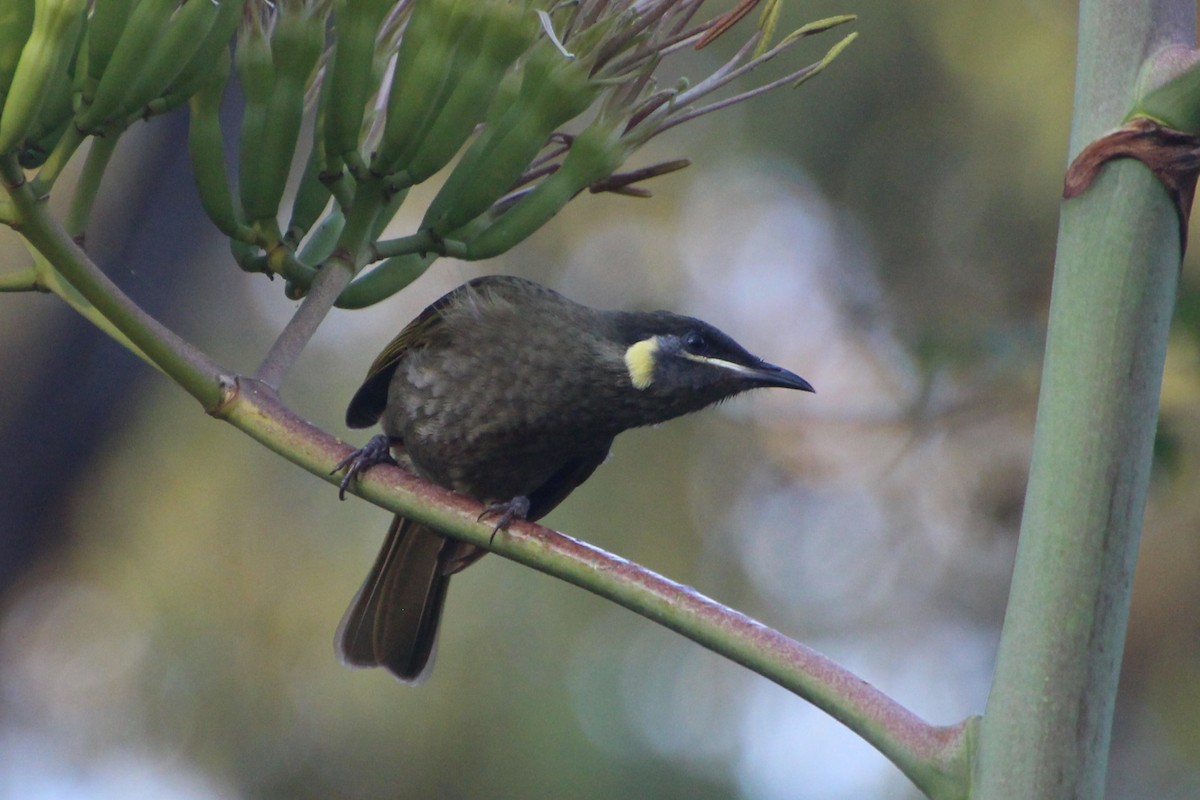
1047	727
50	280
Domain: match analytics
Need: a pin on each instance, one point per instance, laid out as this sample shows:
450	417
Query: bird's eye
695	342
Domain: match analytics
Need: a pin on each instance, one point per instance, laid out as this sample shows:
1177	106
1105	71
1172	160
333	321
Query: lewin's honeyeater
508	392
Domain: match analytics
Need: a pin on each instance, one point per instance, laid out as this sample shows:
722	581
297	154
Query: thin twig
322	294
88	187
22	280
693	113
334	276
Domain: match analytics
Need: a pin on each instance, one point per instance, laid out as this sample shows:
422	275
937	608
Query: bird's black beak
769	375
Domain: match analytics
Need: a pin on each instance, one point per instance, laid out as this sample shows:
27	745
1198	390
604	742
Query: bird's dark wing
366	407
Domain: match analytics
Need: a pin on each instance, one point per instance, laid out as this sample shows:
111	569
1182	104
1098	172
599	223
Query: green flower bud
552	92
312	196
206	147
324	239
256	74
348	78
44	58
16	22
181	39
146	27
596	153
441	37
249	257
389	277
509	31
53	116
107	23
198	69
296	45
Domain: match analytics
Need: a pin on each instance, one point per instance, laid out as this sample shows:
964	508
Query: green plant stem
184	364
935	758
88	187
336	273
58	160
22	280
1047	727
418	243
332	278
50	280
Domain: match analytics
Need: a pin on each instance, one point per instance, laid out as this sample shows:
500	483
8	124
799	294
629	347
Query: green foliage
518	75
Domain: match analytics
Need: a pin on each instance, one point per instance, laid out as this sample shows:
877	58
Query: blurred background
169	589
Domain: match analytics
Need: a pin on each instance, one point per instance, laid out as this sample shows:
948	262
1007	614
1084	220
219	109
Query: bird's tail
393	620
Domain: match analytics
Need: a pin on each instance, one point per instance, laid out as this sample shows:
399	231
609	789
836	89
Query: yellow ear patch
639	358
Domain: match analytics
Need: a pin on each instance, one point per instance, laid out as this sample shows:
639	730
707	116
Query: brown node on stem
1173	156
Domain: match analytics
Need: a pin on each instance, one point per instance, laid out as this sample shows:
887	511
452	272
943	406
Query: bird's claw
517	508
376	451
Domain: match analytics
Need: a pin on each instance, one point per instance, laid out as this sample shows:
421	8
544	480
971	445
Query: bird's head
684	362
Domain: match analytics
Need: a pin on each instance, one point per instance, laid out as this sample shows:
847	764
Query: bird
508	392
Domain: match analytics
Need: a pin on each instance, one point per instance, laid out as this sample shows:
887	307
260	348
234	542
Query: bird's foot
517	508
376	451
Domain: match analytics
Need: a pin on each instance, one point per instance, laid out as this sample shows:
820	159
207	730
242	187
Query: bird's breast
499	427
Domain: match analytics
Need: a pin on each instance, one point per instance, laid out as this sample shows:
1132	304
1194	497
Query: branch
88	186
935	758
334	276
416	244
22	280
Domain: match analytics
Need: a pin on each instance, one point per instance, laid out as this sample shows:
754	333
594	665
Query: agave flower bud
312	196
197	70
438	33
256	73
296	44
206	147
595	154
392	275
16	22
348	77
425	128
147	25
107	23
53	117
44	58
554	89
180	40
